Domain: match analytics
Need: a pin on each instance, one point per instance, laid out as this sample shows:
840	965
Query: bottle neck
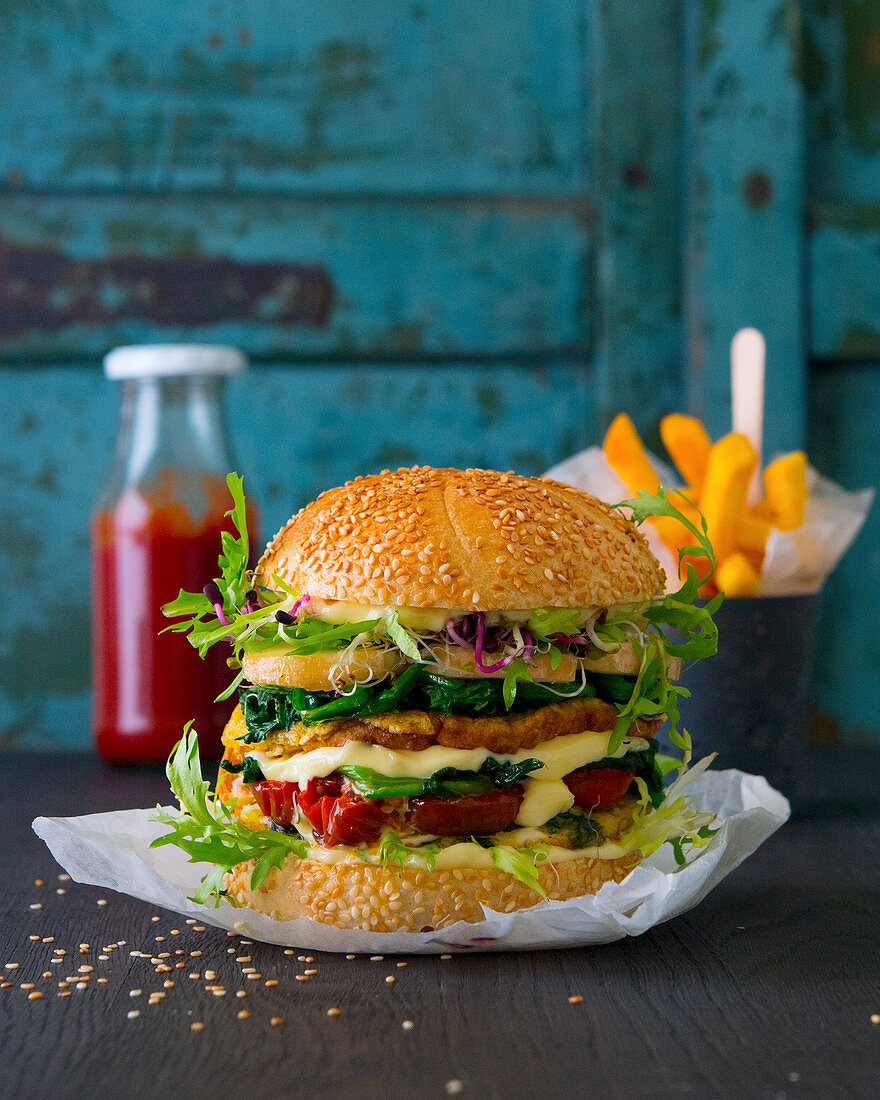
170	424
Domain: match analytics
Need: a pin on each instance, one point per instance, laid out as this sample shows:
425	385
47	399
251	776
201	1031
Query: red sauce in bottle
147	685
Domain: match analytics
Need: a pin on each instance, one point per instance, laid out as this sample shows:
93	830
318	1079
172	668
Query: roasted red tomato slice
598	788
316	800
473	813
275	799
352	821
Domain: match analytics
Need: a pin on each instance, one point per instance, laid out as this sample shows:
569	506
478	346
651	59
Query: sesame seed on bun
475	540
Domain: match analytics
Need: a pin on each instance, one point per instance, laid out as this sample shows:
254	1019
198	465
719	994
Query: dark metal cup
750	702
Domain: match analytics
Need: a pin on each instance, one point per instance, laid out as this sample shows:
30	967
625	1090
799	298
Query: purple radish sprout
212	592
478	649
301	602
453	630
528	645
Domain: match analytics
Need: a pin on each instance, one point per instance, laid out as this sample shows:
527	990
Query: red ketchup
147	685
156	530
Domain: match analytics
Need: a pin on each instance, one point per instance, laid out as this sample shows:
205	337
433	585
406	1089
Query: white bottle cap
164	360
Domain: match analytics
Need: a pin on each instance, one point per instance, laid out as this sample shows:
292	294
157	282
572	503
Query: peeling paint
861	102
41	287
709	43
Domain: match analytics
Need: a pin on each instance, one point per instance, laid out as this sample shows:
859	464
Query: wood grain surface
765	990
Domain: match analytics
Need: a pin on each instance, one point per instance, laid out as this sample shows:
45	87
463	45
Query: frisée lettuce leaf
208	830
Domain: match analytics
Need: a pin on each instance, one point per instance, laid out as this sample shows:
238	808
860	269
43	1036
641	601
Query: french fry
764	510
626	453
688	444
723	500
752	533
736	576
786	482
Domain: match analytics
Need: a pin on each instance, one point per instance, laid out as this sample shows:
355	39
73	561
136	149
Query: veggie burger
449	688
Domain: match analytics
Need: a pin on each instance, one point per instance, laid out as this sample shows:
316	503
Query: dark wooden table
766	990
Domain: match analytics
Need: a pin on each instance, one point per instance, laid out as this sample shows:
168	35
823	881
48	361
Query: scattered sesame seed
133	1014
256	977
245	941
401	964
60	890
199	928
64	878
12	966
347	956
135	992
219	992
36	905
33	937
103	981
101	901
453	1088
35	996
159	939
103	958
175	931
48	939
82	985
301	978
195	952
5	985
26	985
64	993
196	1026
38	882
190	920
376	958
47	973
407	1025
875	1017
288	951
275	1021
243	1014
210	975
272	981
310	972
58	951
168	984
195	974
445	956
85	969
333	1011
154	918
390	978
242	958
575	1000
241	993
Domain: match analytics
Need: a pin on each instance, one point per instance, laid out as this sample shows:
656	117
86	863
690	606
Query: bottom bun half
394	899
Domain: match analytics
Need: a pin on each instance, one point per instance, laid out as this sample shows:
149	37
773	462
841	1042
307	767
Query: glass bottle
156	529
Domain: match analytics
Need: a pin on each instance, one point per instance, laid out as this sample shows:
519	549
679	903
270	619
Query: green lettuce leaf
521	863
401	637
209	832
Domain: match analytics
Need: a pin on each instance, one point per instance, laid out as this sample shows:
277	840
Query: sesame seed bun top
474	540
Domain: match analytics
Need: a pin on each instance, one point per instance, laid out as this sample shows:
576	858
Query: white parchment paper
112	850
795	563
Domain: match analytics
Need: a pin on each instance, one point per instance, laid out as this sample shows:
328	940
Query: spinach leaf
577	827
249	769
505	774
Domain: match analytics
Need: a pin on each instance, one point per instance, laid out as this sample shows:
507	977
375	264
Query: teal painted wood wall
449	232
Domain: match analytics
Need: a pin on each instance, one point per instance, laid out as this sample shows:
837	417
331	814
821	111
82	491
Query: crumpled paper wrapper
111	850
795	562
